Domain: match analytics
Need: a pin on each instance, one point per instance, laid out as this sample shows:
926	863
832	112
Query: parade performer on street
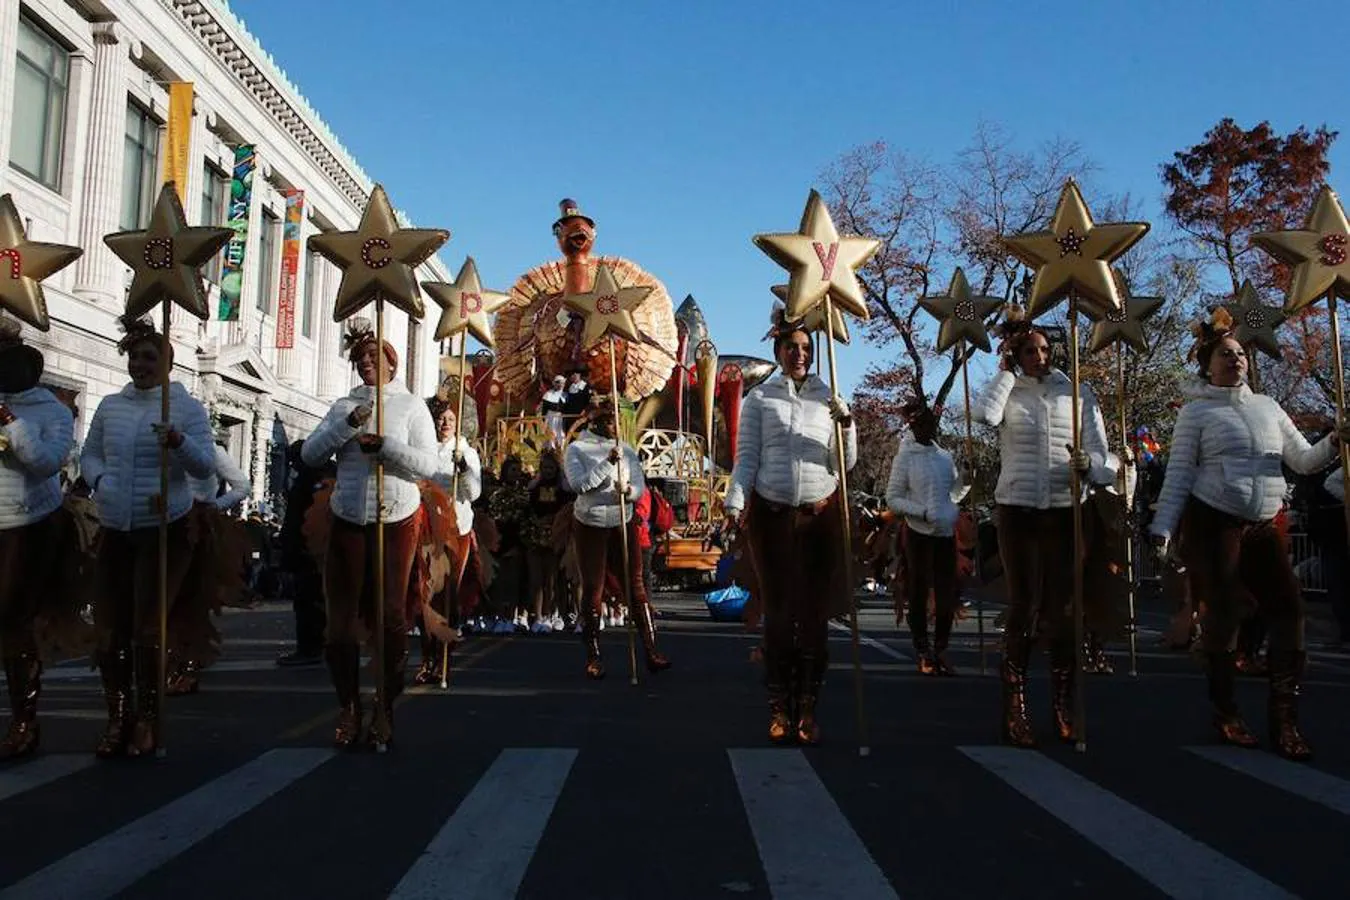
784	491
599	474
408	450
121	462
926	489
1220	499
36	436
1030	402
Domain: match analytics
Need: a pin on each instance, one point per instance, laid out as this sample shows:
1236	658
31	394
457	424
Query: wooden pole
1128	501
1075	488
381	689
1339	366
964	350
452	595
623	521
162	665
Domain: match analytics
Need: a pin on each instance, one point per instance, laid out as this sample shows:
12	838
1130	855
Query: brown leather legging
1036	548
27	555
1236	566
349	577
600	552
128	568
930	565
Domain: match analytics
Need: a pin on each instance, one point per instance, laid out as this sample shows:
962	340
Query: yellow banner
178	140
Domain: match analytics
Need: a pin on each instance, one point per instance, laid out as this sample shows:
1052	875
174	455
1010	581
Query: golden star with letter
1256	322
1125	323
465	305
378	258
1074	256
1319	253
23	265
607	308
815	319
961	314
820	261
166	258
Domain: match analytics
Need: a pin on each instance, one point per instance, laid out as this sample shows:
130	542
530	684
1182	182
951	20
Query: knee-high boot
23	674
656	660
1016	725
590	638
778	681
1286	676
145	736
810	674
942	633
1062	666
344	666
115	670
1221	673
395	670
429	672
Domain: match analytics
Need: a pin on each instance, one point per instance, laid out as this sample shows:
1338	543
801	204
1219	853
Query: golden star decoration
1125	323
1256	322
1319	253
166	258
1074	256
607	308
465	305
961	314
23	265
378	258
815	319
819	261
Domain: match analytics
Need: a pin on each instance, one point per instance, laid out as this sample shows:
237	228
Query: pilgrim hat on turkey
569	209
21	366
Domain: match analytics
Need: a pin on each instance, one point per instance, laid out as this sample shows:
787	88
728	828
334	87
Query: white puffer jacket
121	455
470	480
594	479
239	486
1227	448
1034	417
785	445
409	454
925	488
40	438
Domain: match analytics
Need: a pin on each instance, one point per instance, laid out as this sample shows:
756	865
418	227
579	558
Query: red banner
290	267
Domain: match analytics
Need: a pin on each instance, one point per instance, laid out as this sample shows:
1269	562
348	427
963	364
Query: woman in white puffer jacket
1223	490
1031	404
120	462
36	434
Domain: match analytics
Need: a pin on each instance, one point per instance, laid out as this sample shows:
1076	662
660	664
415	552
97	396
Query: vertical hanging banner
178	138
241	201
290	267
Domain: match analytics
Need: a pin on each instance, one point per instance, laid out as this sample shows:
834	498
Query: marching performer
36	435
925	488
408	450
785	489
121	463
600	474
1030	402
1222	493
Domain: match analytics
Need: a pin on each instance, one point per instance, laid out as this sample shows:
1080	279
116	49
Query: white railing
1302	553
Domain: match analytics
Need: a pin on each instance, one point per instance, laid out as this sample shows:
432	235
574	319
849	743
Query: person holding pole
785	493
1030	403
408	450
121	462
1223	490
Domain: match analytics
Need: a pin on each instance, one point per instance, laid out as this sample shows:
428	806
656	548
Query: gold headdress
1209	332
134	330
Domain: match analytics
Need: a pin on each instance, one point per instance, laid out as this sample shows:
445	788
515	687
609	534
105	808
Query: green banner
241	201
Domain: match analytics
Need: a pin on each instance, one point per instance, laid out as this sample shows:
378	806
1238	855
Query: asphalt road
525	780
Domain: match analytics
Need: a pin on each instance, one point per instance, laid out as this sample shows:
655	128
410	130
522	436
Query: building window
41	76
267	262
312	272
140	168
214	187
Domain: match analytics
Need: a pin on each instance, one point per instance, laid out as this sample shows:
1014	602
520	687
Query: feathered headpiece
780	324
359	331
134	330
1209	332
1016	324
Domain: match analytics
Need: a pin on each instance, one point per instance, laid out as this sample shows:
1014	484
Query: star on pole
378	259
820	261
1319	253
1124	324
23	265
166	258
815	319
961	314
1256	322
608	308
465	305
1074	256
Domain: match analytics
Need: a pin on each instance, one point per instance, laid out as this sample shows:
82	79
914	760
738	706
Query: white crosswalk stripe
1294	778
44	769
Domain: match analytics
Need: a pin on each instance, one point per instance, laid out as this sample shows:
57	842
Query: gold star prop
378	258
1123	324
23	265
166	258
1319	253
607	308
815	319
961	314
465	305
820	261
1256	322
1074	256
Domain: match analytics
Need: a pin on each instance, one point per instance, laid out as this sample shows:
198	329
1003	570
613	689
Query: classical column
99	274
262	436
330	385
9	39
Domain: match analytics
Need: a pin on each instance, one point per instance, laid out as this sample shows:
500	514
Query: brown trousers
128	568
600	554
1236	566
1036	549
27	556
349	578
930	565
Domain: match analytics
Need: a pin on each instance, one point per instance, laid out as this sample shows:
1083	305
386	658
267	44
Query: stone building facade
83	102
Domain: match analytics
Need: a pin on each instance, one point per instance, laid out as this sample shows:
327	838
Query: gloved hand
840	412
169	436
1079	460
360	416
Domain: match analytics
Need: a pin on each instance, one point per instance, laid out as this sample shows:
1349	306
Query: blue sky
684	128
